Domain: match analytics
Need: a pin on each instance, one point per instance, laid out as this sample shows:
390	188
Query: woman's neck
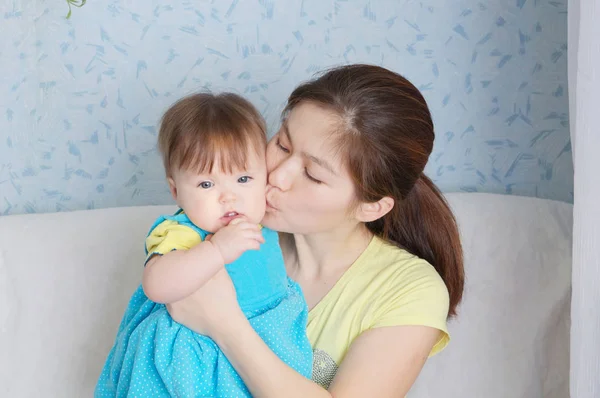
317	256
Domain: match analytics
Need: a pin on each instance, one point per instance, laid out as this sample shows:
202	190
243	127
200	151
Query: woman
365	233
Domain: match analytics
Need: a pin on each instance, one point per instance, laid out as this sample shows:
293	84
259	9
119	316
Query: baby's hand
236	238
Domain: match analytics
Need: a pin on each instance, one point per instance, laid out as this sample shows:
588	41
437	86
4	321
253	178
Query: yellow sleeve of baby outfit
416	296
170	235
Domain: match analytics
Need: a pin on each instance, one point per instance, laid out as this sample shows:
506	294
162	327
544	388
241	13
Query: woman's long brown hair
386	137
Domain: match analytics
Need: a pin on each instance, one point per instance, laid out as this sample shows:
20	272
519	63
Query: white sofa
65	279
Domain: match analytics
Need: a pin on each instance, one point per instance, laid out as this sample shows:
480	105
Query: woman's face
309	190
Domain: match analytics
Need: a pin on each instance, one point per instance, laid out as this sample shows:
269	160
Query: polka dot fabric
154	356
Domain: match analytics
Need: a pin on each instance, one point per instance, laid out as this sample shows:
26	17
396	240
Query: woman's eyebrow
286	131
320	162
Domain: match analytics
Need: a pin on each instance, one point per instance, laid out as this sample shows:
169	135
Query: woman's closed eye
306	173
280	146
311	178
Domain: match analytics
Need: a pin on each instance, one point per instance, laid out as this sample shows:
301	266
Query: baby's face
212	199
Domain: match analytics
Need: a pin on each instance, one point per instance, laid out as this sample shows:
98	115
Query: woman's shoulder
405	290
386	286
399	280
395	265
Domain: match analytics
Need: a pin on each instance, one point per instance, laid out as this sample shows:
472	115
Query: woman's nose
281	177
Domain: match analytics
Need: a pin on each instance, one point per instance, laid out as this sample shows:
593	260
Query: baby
213	149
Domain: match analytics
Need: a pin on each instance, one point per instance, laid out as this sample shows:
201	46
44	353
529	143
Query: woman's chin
275	222
269	220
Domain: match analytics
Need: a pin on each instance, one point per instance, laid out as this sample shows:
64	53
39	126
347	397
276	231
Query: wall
80	98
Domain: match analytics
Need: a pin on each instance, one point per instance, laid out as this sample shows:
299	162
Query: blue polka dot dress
154	356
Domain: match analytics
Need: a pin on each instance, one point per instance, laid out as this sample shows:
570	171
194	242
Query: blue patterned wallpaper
80	98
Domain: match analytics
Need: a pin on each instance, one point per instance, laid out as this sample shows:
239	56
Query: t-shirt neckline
354	268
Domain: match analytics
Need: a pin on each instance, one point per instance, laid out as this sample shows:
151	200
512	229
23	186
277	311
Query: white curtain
584	108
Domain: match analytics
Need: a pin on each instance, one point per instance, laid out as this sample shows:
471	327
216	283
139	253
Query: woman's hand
211	310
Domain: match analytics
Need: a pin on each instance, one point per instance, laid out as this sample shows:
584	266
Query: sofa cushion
65	279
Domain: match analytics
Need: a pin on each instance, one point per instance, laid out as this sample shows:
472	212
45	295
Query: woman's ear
372	211
172	188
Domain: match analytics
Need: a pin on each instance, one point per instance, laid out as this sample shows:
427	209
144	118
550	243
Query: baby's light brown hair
202	128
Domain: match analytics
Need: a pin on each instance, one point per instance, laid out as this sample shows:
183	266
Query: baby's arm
175	275
178	273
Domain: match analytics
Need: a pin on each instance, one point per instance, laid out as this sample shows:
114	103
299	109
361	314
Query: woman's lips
270	206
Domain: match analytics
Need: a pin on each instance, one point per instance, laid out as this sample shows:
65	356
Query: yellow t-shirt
386	286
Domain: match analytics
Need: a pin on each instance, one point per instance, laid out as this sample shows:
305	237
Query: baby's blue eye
205	184
244	179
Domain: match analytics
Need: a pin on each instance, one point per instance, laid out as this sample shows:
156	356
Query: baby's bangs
227	149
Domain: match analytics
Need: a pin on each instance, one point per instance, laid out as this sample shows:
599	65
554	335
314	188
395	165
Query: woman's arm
263	372
382	362
175	275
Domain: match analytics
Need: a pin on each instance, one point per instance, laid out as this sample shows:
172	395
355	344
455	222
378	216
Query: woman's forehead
314	131
311	126
309	117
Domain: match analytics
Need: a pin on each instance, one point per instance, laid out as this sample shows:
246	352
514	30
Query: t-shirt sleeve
168	236
417	296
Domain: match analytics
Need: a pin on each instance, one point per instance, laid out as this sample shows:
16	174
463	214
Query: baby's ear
172	188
